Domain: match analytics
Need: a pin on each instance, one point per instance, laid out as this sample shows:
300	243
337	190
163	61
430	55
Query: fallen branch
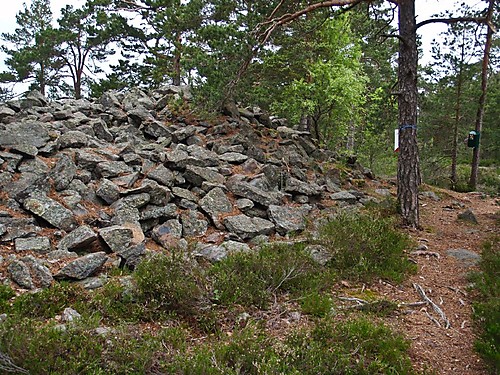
435	307
353	299
426	253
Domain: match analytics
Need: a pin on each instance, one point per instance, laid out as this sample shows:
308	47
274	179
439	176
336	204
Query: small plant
251	278
316	304
47	303
366	247
487	307
170	284
6	294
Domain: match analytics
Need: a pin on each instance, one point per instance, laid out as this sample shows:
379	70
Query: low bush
366	247
170	283
251	278
487	307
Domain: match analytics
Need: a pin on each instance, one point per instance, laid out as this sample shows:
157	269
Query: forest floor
443	277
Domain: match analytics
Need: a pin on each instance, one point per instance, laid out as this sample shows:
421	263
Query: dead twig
435	307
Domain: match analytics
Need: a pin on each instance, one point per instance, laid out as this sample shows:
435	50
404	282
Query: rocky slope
85	186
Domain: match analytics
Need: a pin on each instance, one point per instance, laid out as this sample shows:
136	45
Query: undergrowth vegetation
487	305
176	315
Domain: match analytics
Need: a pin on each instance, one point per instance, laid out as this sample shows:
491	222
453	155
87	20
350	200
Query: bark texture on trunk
482	98
408	162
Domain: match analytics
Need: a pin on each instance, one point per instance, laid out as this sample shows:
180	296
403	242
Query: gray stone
79	238
244	204
235	247
82	267
183	133
255	194
140	115
246	227
466	257
3	229
35	166
212	253
296	186
430	195
51	211
343	196
112	169
88	160
184	194
101	130
319	254
214	204
193	224
233	157
63	172
37	244
73	139
197	175
40	274
168	211
288	219
31	133
118	238
162	175
70	315
61	254
24	149
168	233
468	216
383	192
108	191
156	129
20	273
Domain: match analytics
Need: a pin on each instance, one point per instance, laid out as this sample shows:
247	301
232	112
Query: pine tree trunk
482	98
458	114
176	80
408	162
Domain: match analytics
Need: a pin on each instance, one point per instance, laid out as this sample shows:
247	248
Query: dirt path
443	278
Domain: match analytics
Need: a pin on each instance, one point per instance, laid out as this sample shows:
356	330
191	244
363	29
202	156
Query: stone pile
84	184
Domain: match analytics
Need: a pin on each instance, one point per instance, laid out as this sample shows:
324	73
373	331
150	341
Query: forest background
332	71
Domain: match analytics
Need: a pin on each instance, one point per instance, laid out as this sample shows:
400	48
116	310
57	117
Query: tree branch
450	21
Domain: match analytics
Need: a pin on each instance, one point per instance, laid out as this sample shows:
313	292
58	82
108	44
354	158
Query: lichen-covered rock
40	245
82	267
51	211
78	239
246	190
198	175
216	203
288	219
248	227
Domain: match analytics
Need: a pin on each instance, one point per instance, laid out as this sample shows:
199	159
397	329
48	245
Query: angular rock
20	273
63	172
214	204
233	157
118	238
70	315
40	274
73	139
184	194
51	211
112	169
108	191
82	267
156	129
168	211
30	132
255	194
162	175
467	257
79	238
193	224
168	233
246	227
101	130
343	196
288	219
198	175
296	186
468	216
319	254
40	245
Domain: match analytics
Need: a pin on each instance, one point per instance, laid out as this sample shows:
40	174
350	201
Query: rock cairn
84	184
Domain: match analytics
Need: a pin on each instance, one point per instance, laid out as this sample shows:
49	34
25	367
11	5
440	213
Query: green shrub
6	294
353	347
250	278
43	348
316	304
49	302
366	247
173	284
487	307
